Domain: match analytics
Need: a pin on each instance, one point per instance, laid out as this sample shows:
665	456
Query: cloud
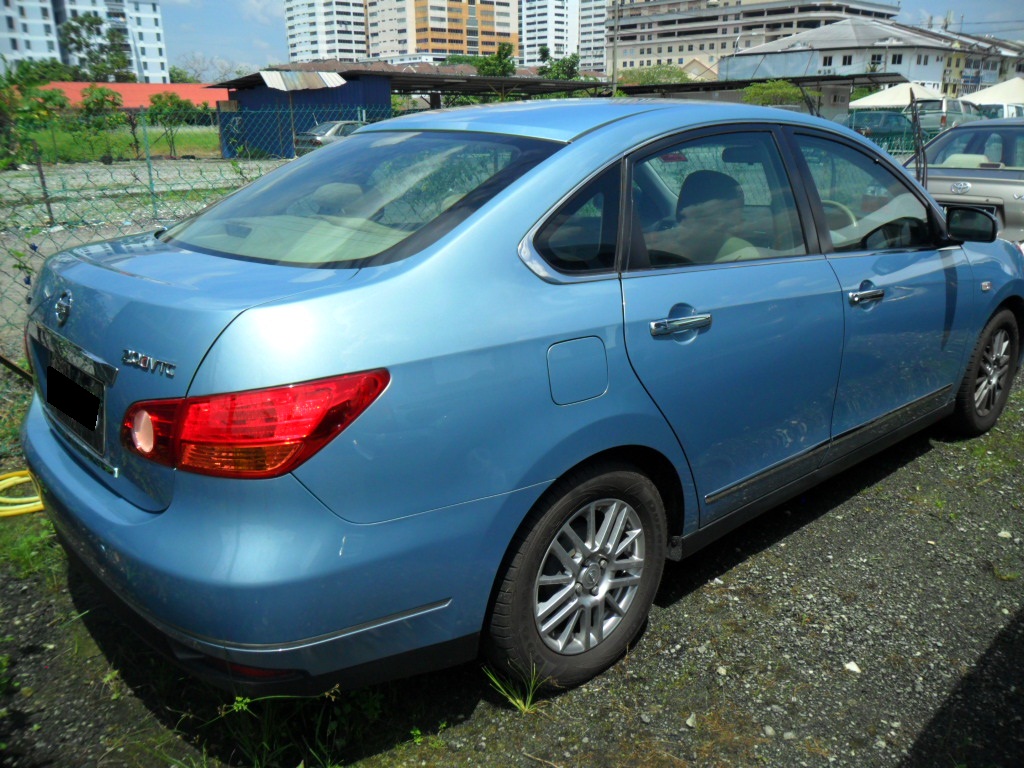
263	11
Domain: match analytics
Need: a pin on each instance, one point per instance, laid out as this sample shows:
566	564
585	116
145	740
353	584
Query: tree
179	75
658	75
561	69
40	72
463	58
171	112
23	107
498	64
100	113
102	55
772	93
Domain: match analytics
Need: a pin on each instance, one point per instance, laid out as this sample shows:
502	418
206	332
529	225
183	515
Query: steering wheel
833	212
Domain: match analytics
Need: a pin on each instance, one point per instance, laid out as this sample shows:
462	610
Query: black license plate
76	400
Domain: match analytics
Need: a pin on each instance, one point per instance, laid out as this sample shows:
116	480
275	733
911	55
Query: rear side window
719	198
370	199
580	237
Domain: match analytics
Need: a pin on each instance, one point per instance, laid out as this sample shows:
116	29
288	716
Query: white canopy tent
1007	92
897	96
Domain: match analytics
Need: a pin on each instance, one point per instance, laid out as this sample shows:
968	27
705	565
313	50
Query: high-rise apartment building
398	30
328	29
30	30
553	24
592	35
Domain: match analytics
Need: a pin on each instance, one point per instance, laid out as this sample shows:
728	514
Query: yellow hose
18	505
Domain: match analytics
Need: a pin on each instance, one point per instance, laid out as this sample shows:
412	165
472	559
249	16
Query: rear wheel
581	577
986	385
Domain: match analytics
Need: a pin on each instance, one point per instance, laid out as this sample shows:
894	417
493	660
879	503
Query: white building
648	33
140	23
554	24
592	35
28	31
335	29
950	63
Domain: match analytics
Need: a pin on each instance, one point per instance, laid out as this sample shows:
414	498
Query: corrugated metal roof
300	81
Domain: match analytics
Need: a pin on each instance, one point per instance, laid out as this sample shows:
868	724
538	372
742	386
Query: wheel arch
647	461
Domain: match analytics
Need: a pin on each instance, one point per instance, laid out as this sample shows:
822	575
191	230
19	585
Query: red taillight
258	433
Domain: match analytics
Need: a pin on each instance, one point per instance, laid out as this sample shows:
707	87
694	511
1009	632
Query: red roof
137	95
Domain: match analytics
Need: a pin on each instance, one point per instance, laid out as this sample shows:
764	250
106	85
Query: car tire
986	385
580	577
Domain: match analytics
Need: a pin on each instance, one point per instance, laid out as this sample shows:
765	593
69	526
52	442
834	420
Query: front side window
720	198
866	205
373	198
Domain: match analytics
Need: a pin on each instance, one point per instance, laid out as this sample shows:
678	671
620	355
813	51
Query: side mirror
964	223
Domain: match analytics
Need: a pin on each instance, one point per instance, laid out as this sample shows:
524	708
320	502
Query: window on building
876	59
826	61
897	58
848	60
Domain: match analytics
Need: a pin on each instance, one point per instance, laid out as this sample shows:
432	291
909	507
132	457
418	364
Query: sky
251	33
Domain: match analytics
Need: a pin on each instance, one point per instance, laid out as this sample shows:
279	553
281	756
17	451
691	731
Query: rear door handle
668	326
862	297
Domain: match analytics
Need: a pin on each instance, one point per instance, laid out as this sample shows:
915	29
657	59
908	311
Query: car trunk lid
117	322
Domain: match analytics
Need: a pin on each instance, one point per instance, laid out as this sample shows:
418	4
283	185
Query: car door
733	324
905	298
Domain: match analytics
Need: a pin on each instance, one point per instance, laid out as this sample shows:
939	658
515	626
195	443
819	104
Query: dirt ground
876	621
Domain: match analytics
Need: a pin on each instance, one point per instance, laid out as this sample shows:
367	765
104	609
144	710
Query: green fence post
144	123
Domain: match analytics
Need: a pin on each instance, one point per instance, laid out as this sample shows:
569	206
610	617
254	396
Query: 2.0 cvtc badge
147	363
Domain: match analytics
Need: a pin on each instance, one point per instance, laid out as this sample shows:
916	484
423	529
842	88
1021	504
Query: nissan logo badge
960	187
62	308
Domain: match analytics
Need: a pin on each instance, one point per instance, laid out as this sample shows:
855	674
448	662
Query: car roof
568	119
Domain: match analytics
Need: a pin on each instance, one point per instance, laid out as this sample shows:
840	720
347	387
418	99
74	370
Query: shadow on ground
981	723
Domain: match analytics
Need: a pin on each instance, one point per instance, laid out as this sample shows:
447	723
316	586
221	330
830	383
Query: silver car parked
981	164
324	133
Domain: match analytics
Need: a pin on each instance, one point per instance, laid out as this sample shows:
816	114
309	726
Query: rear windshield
989	146
320	130
370	199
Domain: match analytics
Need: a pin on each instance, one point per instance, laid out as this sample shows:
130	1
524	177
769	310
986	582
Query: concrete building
554	24
648	33
335	29
398	30
28	31
951	63
141	24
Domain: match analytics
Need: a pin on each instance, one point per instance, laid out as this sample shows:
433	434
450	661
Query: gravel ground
876	621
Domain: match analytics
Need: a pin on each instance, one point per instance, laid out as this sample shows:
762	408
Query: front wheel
986	385
580	577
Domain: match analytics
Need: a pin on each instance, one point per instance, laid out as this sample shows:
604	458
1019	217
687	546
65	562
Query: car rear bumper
272	580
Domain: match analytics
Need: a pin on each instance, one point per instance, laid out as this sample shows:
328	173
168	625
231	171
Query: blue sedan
460	384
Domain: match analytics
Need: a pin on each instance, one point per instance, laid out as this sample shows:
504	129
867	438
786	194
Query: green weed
521	692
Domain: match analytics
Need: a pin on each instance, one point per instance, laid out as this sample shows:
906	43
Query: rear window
986	147
371	199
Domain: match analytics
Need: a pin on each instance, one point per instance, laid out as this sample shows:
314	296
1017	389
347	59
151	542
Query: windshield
985	147
373	198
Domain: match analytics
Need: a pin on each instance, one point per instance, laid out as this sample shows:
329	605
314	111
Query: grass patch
64	146
520	690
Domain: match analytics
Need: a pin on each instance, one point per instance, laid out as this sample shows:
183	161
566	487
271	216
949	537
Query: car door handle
668	326
861	297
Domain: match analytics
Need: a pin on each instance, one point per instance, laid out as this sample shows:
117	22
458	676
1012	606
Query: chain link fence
81	180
